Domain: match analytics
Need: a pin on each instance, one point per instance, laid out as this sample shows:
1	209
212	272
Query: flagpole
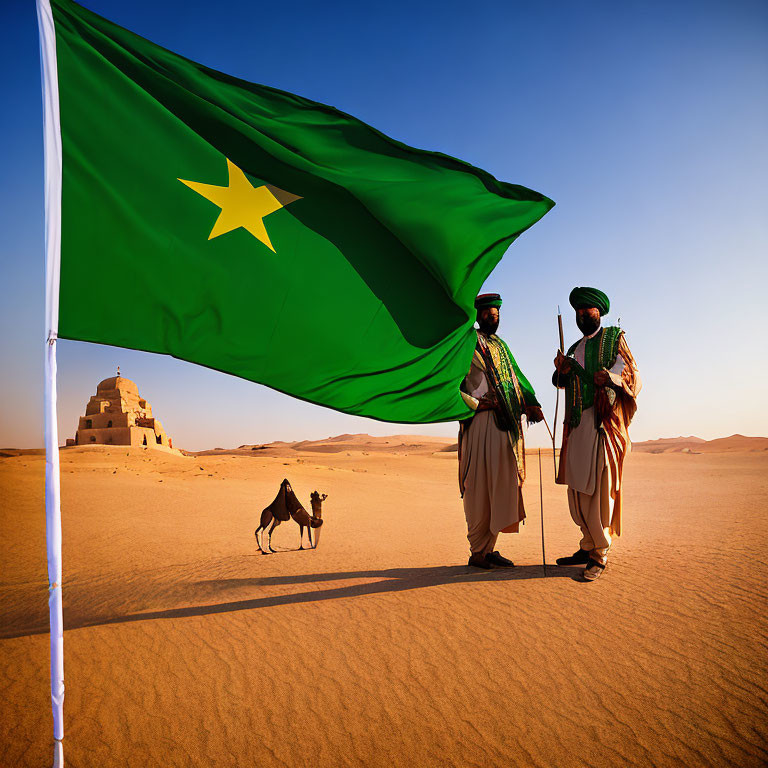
541	507
52	150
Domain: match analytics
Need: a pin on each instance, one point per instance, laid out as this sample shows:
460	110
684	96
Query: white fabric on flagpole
53	535
52	136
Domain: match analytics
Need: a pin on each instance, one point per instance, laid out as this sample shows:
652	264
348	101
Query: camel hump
281	505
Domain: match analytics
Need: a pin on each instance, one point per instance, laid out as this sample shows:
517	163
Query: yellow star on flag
242	204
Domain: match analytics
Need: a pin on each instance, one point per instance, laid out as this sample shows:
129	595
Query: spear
553	433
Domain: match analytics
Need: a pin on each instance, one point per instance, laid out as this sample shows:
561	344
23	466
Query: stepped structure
118	415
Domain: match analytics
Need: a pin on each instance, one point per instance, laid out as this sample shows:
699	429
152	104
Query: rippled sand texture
185	647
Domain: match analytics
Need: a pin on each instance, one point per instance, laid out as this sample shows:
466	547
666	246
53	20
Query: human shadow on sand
389	580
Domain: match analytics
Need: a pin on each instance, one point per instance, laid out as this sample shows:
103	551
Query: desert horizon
354	441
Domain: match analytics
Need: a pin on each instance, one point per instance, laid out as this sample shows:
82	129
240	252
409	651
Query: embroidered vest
503	380
600	352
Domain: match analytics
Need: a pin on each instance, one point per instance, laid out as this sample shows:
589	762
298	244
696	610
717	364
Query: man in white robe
601	381
491	444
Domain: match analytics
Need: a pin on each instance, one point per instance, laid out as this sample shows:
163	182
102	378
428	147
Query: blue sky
645	121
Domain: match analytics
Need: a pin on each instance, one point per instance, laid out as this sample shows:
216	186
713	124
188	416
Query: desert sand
186	647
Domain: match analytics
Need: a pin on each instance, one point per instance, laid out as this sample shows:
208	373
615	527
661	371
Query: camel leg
258	543
309	531
274	525
266	519
301	536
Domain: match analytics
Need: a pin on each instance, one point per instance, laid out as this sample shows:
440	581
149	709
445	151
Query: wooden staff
541	507
553	433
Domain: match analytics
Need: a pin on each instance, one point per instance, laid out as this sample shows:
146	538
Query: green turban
583	298
487	300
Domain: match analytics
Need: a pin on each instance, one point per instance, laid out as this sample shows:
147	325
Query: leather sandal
593	571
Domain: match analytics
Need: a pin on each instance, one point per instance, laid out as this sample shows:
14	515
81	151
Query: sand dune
396	444
734	443
185	647
672	441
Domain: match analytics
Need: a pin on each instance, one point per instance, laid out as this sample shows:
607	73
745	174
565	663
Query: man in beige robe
491	445
602	382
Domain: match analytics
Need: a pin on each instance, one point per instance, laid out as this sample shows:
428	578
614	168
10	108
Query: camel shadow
389	580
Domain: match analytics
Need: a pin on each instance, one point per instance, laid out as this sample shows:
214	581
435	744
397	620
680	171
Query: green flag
265	235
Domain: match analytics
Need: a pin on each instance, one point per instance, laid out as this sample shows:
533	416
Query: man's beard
489	328
588	325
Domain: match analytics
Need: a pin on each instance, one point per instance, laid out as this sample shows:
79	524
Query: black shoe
580	557
481	561
497	559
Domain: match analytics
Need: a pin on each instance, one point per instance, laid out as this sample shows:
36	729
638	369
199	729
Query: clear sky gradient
645	121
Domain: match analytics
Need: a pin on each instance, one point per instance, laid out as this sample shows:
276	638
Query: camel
285	506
